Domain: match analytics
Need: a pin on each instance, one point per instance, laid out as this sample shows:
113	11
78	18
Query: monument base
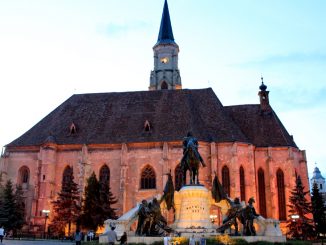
192	206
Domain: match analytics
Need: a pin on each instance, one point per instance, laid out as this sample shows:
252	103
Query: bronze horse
191	160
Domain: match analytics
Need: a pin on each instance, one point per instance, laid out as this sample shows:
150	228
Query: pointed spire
166	34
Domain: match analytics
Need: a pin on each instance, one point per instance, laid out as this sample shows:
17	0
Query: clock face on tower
165	60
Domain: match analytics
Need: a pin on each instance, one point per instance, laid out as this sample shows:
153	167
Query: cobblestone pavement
36	242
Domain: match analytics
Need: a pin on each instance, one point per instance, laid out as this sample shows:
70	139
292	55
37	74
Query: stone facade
126	161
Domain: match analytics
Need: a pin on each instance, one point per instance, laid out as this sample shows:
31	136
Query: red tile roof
105	118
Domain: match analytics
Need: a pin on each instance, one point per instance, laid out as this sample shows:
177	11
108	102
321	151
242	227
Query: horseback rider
191	158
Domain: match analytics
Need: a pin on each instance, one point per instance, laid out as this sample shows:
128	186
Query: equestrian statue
191	159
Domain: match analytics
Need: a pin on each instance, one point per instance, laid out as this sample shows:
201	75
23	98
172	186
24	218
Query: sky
52	49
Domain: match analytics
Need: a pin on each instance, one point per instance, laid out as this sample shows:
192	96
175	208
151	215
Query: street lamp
46	213
213	218
295	217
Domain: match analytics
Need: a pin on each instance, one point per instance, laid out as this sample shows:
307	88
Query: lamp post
295	218
46	213
213	218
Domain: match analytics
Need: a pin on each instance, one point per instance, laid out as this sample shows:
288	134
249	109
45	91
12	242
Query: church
135	138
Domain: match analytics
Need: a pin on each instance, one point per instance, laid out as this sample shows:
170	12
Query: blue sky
50	50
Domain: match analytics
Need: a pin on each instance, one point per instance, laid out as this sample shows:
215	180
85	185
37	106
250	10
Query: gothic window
66	174
104	174
178	175
23	176
321	187
242	185
164	85
261	192
226	180
281	195
148	179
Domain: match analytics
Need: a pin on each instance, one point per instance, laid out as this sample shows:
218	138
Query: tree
97	203
299	224
7	213
318	210
107	199
67	206
91	212
19	208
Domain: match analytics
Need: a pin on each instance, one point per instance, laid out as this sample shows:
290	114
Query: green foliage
7	212
97	203
106	201
67	206
12	209
19	208
318	210
91	212
302	227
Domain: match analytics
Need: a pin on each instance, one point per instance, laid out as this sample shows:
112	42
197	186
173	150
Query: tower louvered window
226	180
242	185
178	175
261	192
104	174
148	179
281	195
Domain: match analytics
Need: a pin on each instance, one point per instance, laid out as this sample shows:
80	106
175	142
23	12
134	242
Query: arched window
23	177
242	185
261	191
66	176
164	85
148	179
281	195
226	180
104	174
178	175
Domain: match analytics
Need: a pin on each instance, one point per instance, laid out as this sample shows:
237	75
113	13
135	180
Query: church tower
166	74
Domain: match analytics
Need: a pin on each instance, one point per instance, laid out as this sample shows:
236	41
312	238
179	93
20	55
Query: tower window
321	187
226	180
164	85
148	179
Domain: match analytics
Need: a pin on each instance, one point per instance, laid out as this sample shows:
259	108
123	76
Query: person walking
192	240
123	238
2	233
112	236
78	237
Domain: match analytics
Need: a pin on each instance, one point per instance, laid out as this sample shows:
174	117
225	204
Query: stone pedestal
192	205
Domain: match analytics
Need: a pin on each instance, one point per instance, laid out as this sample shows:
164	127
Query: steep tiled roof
261	128
106	118
119	118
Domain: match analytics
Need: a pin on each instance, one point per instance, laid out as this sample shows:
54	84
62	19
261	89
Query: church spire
166	74
166	34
